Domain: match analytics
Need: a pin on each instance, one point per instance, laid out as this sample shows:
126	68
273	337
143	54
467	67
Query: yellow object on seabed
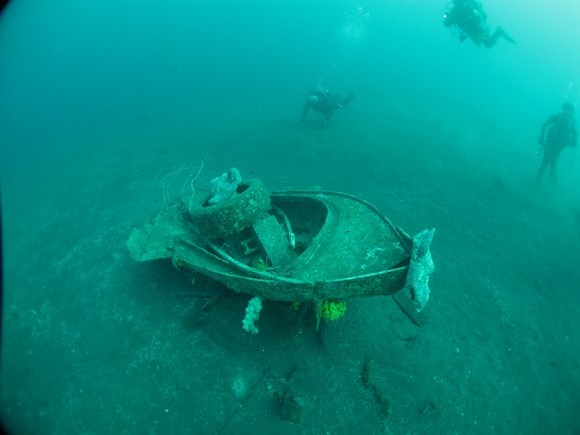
332	310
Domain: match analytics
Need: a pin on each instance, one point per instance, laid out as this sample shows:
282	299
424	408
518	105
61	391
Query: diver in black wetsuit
558	132
325	103
469	17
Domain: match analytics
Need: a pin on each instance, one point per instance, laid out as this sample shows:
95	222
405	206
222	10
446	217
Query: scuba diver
469	17
558	132
325	103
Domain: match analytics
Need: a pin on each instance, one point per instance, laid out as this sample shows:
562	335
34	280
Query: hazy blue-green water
99	101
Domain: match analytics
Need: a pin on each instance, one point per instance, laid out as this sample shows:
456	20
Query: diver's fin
507	37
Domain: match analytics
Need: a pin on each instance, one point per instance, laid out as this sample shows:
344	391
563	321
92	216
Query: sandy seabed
96	343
